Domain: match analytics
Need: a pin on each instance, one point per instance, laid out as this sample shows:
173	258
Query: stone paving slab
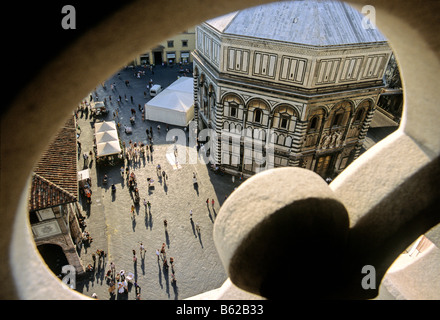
197	266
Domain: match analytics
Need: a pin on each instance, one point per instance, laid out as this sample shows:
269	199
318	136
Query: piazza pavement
109	220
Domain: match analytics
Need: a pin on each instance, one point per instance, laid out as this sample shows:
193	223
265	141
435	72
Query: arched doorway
54	257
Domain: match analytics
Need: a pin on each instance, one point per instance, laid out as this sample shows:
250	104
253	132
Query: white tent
105	126
174	105
107	140
83	174
108	148
111	135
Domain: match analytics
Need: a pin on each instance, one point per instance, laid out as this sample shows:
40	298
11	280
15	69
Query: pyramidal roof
309	22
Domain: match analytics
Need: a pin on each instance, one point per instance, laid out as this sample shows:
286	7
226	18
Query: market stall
98	108
174	105
107	145
85	184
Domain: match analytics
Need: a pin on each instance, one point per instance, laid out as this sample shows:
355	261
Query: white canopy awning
106	136
108	148
83	174
174	105
105	126
107	139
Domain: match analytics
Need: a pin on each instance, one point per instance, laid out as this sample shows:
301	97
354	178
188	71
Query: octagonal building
291	83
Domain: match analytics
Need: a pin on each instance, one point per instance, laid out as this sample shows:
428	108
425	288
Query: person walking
134	256
190	214
162	251
132	212
113	268
212	202
86	157
157	254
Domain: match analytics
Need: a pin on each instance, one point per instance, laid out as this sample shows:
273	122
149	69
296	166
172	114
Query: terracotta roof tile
45	194
58	163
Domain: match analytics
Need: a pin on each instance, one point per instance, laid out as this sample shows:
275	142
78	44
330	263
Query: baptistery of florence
292	83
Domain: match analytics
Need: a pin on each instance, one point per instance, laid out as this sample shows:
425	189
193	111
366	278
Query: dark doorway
323	166
157	56
54	257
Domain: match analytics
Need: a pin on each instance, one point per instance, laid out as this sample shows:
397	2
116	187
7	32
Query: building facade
288	84
176	49
391	99
53	208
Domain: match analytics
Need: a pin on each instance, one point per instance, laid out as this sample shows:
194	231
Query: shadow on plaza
163	272
90	279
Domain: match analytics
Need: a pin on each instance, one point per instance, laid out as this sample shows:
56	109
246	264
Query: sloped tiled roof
311	22
56	169
45	194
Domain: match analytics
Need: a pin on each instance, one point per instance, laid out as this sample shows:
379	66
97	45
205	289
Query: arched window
340	113
257	115
256	111
283	116
337	119
362	109
281	139
359	115
205	100
314	123
233	104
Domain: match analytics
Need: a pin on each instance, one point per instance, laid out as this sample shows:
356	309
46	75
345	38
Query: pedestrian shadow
175	289
133	222
194	228
165	187
135	270
196	188
143	264
167	282
210	216
160	274
148	220
167	238
200	238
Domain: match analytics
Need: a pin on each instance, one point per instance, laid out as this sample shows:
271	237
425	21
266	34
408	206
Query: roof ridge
230	21
64	193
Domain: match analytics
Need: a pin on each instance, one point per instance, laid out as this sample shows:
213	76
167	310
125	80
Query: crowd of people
120	282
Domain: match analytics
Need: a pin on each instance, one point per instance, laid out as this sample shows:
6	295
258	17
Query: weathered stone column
282	234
